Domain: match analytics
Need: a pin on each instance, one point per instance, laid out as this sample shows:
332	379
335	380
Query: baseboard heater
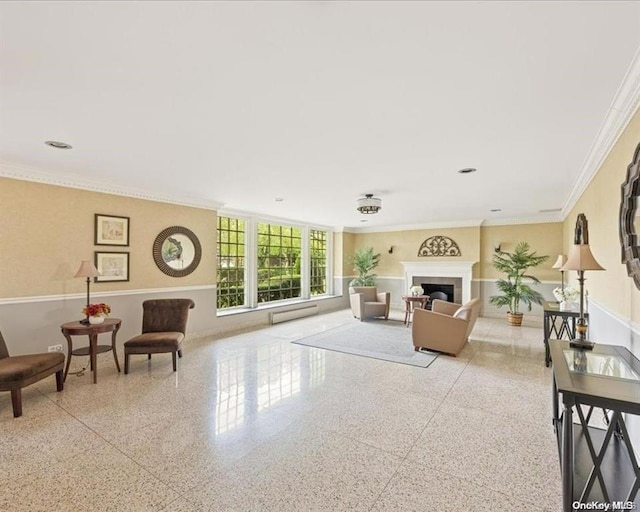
293	314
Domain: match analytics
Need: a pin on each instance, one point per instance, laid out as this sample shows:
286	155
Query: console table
69	329
596	464
558	324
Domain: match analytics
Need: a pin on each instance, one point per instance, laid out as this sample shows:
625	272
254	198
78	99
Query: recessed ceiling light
58	145
279	199
467	170
496	210
364	220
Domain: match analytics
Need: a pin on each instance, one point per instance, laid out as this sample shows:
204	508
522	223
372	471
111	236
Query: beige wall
46	230
544	239
406	244
476	244
601	204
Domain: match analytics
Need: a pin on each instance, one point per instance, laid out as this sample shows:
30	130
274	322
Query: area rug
387	340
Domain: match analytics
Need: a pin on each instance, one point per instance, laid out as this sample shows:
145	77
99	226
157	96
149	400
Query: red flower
97	309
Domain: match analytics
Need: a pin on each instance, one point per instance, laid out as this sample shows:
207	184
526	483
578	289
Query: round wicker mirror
177	251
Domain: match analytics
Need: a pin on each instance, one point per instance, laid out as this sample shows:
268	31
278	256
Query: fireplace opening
438	291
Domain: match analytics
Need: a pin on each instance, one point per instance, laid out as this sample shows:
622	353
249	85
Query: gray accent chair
164	325
366	302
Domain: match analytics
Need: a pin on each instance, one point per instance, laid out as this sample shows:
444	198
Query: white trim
486	280
69	180
409	227
626	322
258	217
72	296
461	269
547	219
623	107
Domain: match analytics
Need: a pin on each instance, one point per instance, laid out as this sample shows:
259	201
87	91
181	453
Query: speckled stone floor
255	423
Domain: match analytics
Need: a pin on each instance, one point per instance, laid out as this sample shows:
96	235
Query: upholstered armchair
18	372
366	302
445	328
164	324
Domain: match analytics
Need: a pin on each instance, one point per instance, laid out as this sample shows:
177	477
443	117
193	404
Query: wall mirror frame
177	251
630	219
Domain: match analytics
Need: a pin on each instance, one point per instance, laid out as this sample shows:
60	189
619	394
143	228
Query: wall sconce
497	247
559	264
391	250
581	259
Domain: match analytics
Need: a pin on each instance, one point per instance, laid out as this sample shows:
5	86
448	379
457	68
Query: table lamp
581	259
88	270
558	264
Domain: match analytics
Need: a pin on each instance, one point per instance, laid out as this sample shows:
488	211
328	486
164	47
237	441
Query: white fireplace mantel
461	269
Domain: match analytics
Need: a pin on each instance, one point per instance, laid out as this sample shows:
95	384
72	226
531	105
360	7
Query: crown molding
18	172
409	227
547	219
624	105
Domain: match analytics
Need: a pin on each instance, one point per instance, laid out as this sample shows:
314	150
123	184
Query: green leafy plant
364	262
515	289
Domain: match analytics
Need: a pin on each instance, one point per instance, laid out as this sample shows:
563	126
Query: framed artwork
111	230
113	266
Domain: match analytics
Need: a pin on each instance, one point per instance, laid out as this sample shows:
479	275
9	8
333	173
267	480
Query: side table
410	303
558	324
69	329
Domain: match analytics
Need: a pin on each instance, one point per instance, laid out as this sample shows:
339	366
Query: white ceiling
318	102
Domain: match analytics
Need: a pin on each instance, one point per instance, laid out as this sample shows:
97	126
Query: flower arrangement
569	294
416	290
101	309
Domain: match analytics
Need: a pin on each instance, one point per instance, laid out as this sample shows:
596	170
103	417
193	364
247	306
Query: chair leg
16	401
173	357
126	363
59	380
149	356
180	353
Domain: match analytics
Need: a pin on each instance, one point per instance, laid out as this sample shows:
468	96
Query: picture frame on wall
111	230
113	266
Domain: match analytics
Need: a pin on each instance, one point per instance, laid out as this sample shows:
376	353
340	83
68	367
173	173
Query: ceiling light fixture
279	199
467	170
58	145
369	204
496	210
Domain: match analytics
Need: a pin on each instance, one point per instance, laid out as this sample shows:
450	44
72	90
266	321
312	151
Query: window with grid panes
278	256
231	262
318	262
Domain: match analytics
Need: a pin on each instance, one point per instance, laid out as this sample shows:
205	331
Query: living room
49	199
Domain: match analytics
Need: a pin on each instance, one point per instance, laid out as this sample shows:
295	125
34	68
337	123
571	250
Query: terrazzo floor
255	423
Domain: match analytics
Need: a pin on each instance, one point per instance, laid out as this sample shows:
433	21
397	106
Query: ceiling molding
522	220
8	170
624	105
409	227
258	217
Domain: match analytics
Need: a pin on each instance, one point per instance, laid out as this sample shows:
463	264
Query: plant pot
515	319
96	320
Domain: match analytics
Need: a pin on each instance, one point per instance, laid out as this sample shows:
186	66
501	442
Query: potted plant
364	262
516	287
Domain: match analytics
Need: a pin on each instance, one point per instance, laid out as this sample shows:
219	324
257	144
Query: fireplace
441	273
438	291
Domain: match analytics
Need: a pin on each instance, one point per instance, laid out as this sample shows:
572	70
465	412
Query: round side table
410	303
69	329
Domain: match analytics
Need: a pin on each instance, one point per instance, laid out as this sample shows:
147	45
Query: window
318	262
279	253
259	262
231	262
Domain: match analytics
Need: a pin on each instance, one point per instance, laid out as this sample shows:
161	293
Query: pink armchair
366	302
446	328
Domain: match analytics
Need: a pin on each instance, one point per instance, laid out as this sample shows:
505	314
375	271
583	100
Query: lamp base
582	344
84	321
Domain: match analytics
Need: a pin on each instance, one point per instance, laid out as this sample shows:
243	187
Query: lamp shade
369	204
580	258
559	262
87	269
